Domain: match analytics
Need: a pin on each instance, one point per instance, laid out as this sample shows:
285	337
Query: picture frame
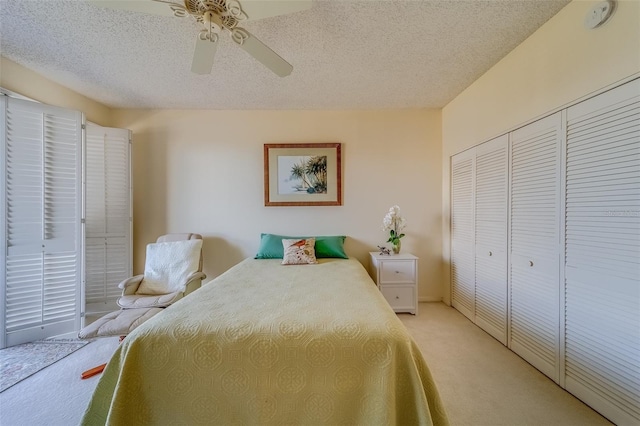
303	174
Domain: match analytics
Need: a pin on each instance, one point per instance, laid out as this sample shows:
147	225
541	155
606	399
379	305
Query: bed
266	343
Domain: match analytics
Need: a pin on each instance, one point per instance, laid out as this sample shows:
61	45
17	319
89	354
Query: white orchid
394	223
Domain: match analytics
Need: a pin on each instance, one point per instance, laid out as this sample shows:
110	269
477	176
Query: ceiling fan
217	16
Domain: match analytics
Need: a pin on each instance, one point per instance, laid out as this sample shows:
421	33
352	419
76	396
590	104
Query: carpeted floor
21	361
56	396
482	383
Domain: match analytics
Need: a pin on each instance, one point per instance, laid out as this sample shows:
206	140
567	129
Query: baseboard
71	335
429	299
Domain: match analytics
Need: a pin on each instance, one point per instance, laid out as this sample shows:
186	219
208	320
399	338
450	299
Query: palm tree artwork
308	174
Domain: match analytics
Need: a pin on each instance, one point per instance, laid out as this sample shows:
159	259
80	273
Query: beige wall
202	171
558	64
21	80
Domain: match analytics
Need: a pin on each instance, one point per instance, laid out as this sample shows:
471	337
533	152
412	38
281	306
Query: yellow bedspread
271	344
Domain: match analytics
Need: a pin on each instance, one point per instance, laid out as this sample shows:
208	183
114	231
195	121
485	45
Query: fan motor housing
202	11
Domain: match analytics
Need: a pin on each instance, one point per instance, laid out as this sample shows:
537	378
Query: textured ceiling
346	54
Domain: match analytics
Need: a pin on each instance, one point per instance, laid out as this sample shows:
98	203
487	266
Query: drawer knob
490	254
397	297
531	263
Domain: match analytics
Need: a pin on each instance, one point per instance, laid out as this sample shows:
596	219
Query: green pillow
330	246
326	246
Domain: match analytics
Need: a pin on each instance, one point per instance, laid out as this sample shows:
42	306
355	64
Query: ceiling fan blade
203	55
259	9
261	52
153	7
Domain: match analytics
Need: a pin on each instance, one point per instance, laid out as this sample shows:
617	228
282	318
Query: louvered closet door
462	233
42	227
491	195
602	271
535	242
107	212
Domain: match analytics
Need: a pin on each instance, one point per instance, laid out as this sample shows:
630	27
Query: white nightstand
397	279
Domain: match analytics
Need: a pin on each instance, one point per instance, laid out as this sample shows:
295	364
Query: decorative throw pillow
299	251
326	246
168	265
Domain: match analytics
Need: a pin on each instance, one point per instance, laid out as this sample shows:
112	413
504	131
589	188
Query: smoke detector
599	14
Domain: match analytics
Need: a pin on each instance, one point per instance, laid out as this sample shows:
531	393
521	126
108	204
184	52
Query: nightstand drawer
394	271
400	298
397	278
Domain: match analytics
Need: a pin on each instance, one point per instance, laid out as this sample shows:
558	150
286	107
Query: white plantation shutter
535	243
602	270
492	192
108	213
41	217
463	233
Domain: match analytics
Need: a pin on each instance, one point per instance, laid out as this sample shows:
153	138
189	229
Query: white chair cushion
134	301
118	323
168	265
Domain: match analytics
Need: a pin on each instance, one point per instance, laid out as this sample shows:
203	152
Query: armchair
171	272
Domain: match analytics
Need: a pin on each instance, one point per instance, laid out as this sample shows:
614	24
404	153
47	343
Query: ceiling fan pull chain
213	36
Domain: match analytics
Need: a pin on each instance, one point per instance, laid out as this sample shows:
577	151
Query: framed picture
302	174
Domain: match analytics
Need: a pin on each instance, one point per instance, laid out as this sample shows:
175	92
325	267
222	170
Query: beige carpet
55	395
481	381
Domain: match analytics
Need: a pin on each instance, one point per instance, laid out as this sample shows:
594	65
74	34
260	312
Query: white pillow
168	265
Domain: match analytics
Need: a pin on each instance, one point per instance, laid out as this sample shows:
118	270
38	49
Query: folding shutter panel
602	271
108	212
462	233
492	164
535	240
95	217
42	190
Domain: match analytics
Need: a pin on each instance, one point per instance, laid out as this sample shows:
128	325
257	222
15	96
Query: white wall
202	171
558	64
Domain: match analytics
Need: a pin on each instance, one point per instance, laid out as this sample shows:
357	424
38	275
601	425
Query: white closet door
491	197
107	216
462	233
535	244
41	221
602	271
